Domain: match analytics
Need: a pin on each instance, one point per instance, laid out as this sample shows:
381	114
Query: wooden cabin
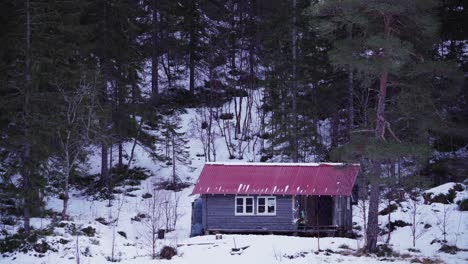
287	198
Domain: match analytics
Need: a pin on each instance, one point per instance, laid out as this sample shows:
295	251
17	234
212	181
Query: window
266	205
244	205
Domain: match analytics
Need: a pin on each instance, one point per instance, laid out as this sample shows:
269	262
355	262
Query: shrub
12	244
443	198
426	260
63	241
122	233
389	209
9	220
427	198
41	247
167	252
89	231
132	189
171	186
463	206
458	187
449	249
344	246
138	217
147	195
104	221
226	116
383	251
398	223
22	243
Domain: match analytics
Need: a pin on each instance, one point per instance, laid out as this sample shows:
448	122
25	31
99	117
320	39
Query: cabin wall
218	214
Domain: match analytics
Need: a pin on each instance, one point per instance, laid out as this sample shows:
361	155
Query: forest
381	83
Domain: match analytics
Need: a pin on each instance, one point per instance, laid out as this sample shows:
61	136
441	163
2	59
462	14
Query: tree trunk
350	99
373	224
104	165
120	160
103	101
373	218
67	179
26	172
132	152
295	152
174	176
350	89
66	196
380	119
192	48
362	196
111	157
155	51
252	44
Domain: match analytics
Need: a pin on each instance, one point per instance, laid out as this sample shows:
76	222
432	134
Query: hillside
115	232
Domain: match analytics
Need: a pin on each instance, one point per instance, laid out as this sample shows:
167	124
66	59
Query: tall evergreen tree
391	47
117	27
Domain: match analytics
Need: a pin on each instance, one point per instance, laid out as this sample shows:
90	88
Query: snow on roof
277	178
309	164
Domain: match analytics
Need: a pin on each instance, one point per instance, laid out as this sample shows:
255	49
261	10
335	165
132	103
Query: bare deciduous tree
442	219
415	215
171	210
153	221
73	128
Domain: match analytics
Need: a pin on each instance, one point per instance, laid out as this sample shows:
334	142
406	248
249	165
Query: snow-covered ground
134	248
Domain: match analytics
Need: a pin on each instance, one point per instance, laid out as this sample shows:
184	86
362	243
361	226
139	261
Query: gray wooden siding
218	214
342	216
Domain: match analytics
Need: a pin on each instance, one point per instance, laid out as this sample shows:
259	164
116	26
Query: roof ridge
304	164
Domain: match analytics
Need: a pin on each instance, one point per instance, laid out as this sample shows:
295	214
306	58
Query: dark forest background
387	76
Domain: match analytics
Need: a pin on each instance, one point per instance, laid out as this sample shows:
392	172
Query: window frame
266	213
244	205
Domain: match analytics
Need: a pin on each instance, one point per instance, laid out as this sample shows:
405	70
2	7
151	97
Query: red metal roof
277	178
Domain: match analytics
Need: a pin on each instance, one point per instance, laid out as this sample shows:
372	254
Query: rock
167	252
41	247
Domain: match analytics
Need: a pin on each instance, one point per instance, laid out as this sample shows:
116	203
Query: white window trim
266	207
245	205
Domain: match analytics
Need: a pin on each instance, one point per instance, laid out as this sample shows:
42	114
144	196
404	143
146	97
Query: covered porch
323	214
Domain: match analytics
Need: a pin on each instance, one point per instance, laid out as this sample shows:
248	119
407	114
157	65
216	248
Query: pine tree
175	145
117	27
44	54
299	96
391	47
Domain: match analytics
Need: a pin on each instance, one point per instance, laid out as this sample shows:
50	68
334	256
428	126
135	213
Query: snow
265	249
431	215
444	188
